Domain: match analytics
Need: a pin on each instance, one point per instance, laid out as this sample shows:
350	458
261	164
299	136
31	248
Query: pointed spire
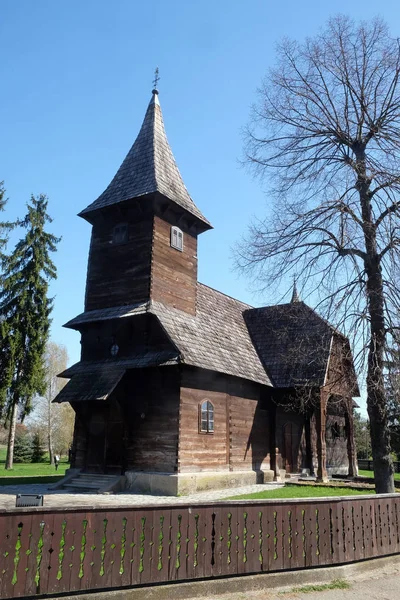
295	294
149	167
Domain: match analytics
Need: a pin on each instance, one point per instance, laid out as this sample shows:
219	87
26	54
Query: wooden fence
45	551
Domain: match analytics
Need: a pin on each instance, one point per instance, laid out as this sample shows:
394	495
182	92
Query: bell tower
144	228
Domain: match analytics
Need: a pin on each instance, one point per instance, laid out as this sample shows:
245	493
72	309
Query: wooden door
114	447
291	442
105	439
97	425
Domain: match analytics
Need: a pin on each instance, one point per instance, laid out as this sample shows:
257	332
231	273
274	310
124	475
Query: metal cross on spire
156	80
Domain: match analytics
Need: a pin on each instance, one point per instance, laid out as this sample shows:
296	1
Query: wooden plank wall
202	451
150	402
119	274
134	336
173	273
249	435
241	424
142	427
79	444
336	447
286	417
340	378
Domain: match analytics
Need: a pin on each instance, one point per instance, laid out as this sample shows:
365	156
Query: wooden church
179	386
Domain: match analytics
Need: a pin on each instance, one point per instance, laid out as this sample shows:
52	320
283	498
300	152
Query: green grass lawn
33	472
300	491
371	474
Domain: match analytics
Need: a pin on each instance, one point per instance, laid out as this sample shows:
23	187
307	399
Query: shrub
38	452
22	448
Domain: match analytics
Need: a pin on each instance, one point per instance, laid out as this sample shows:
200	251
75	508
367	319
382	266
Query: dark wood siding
140	424
119	274
150	402
336	435
249	435
174	273
133	335
79	444
290	439
340	378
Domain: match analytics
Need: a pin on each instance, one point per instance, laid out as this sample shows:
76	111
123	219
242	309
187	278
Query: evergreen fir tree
38	452
22	448
4	225
5	339
25	316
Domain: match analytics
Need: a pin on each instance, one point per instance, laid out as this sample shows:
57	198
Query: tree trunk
11	436
309	450
351	448
49	432
376	396
377	411
320	419
50	446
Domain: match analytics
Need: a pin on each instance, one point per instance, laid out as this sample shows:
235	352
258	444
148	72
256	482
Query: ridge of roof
148	167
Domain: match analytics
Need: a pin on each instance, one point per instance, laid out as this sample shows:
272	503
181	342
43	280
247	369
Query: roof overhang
84	387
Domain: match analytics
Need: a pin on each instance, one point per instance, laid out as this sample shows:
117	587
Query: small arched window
206	417
177	238
120	233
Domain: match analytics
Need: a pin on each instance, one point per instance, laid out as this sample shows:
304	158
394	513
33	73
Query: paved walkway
63	498
380	585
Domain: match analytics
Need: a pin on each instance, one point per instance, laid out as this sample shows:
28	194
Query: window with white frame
177	238
206	417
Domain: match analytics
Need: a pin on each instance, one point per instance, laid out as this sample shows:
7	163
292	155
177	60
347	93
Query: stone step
82	484
92	484
95	479
96	484
99	476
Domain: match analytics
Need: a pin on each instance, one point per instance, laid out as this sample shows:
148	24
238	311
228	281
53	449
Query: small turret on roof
295	294
149	167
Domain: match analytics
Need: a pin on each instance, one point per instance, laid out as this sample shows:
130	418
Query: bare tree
326	136
53	421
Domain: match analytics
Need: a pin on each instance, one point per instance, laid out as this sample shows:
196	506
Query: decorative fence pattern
46	551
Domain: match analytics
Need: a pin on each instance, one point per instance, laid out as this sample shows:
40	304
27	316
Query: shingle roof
103	314
216	338
292	341
146	359
287	345
97	385
148	167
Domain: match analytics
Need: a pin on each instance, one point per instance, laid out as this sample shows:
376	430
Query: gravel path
64	498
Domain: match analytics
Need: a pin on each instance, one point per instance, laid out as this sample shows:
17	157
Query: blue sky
76	78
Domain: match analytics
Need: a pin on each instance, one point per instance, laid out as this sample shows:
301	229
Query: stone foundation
337	470
183	484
